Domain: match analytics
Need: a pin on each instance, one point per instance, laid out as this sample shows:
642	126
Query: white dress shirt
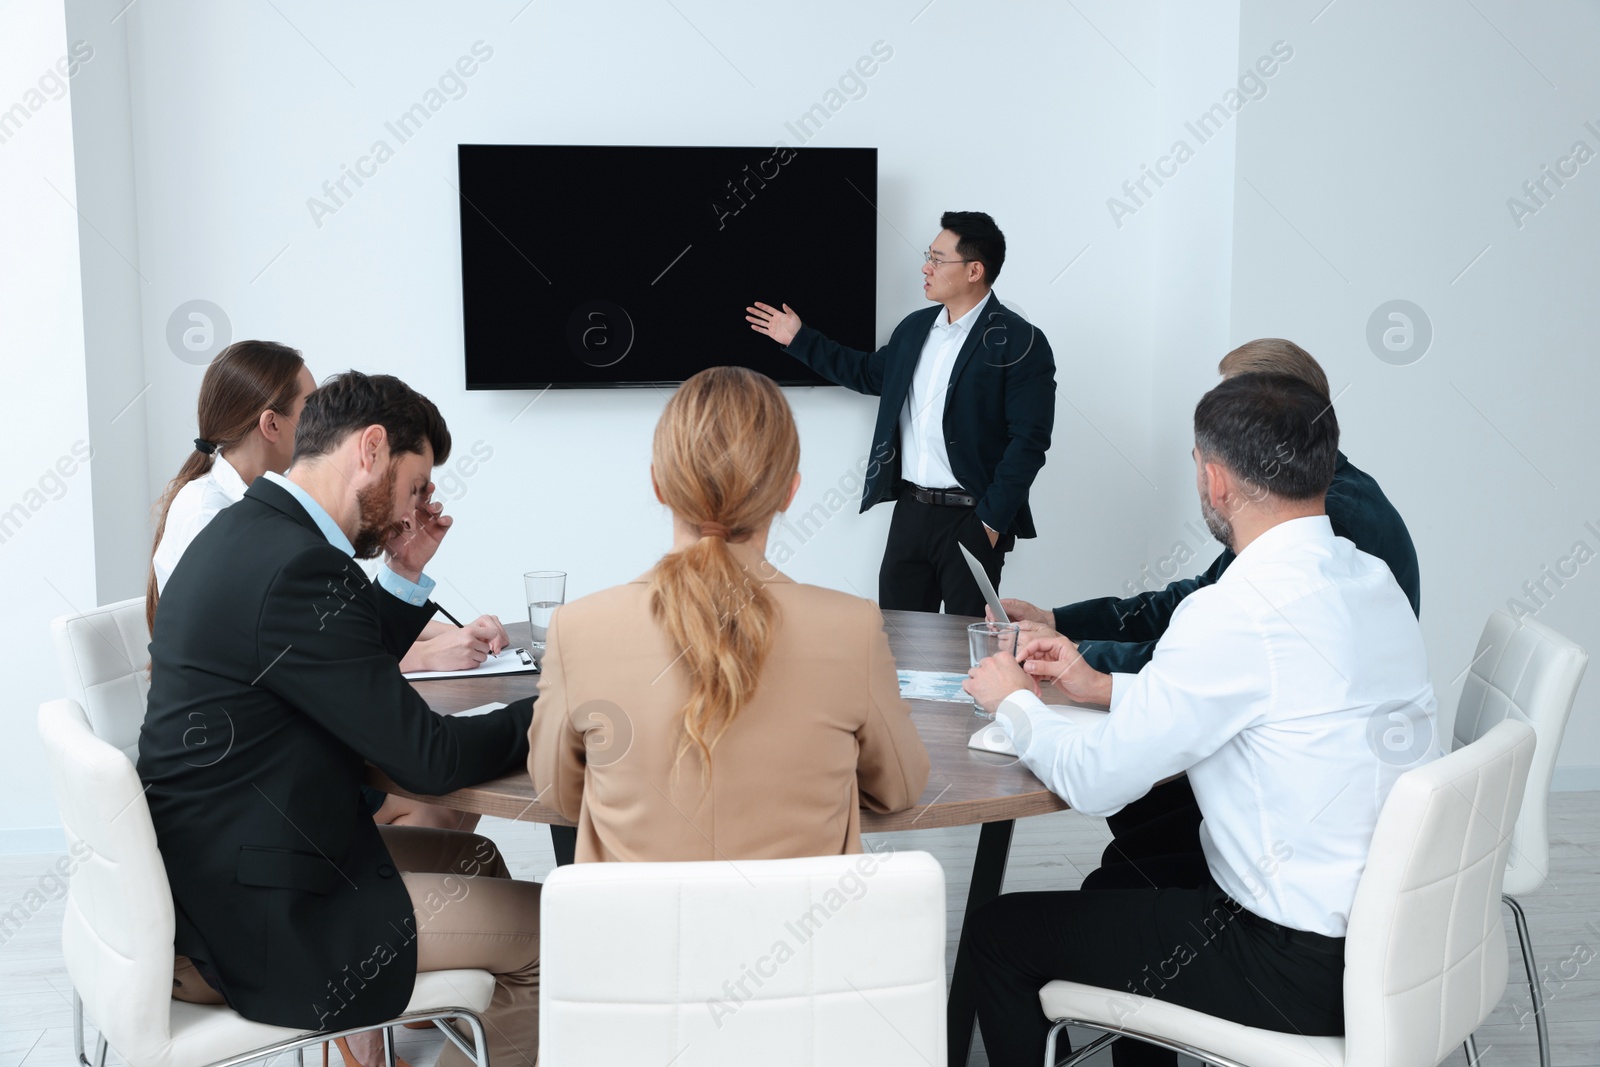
1280	690
924	458
195	505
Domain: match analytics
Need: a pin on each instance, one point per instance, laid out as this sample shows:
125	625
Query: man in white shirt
967	398
1278	690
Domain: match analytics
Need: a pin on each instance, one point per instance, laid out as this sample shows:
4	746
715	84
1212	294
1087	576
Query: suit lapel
898	375
976	338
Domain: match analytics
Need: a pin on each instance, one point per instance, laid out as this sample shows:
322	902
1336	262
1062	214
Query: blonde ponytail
725	453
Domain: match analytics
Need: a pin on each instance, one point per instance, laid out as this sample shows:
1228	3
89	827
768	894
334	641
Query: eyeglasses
928	257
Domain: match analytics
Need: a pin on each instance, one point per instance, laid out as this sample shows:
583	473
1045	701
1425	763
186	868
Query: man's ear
1219	486
371	444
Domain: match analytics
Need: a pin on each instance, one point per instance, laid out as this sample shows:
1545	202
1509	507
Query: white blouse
195	505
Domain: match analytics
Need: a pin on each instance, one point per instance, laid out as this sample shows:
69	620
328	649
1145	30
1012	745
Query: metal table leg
988	874
564	839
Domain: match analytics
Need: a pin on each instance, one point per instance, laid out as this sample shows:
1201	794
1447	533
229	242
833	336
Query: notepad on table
509	660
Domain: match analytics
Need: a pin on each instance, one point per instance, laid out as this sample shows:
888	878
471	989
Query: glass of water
985	639
546	591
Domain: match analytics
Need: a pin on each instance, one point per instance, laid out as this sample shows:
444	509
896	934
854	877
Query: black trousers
922	566
1163	822
1156	926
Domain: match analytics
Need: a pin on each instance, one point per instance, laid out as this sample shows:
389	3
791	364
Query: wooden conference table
964	786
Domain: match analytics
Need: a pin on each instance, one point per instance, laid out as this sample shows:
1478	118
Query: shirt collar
319	515
227	478
1282	539
964	323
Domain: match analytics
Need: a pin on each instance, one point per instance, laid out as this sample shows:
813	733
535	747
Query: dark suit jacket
998	413
274	673
1120	635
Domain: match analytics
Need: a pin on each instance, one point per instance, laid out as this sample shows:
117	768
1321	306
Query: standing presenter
967	402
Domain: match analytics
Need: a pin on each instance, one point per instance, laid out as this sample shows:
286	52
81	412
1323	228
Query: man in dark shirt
1117	635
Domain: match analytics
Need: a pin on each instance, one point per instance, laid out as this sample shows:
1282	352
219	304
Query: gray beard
1220	527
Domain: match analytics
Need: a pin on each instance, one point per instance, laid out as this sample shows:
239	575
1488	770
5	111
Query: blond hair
1275	355
725	453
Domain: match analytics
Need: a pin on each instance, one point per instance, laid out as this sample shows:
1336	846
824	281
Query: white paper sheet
508	661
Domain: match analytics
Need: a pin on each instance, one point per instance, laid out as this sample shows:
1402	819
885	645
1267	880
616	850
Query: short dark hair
350	402
979	239
1273	431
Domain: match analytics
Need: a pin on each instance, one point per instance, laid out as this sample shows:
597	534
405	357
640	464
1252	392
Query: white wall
1388	151
47	550
240	120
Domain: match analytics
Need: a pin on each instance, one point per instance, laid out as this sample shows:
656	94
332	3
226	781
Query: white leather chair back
1527	671
1425	954
103	655
836	960
118	931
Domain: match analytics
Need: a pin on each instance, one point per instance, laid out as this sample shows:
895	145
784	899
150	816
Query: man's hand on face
417	536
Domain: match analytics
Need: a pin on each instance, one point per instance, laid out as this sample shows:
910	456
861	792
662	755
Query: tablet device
982	579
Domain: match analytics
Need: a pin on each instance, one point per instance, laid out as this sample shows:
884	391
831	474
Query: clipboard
509	660
982	578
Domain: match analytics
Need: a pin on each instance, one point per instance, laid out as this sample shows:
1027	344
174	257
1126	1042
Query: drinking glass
546	591
985	639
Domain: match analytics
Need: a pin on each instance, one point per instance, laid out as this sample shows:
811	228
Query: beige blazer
825	733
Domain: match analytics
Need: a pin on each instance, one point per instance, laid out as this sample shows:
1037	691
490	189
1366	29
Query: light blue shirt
414	593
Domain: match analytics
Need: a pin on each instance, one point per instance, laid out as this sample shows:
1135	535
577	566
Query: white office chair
1425	955
118	933
1526	671
836	960
103	654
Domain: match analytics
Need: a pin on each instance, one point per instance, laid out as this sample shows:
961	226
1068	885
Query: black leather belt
954	498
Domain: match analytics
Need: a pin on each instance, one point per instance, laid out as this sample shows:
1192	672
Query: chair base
1108	1034
439	1017
1535	994
1207	1038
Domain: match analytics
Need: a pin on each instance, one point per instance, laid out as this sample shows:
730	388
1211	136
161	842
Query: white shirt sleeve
1201	688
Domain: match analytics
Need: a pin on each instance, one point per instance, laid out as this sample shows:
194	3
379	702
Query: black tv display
598	266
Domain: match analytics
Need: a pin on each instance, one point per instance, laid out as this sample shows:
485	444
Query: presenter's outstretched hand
781	326
417	536
1056	659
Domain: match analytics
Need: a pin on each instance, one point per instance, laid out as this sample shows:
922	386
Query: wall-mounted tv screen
593	266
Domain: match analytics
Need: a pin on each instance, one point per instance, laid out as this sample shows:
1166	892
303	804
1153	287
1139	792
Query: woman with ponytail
714	708
250	401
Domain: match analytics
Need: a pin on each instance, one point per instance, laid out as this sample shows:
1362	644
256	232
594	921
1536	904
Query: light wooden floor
1048	852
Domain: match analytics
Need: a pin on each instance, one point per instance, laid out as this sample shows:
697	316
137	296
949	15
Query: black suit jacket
274	675
1120	634
998	413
